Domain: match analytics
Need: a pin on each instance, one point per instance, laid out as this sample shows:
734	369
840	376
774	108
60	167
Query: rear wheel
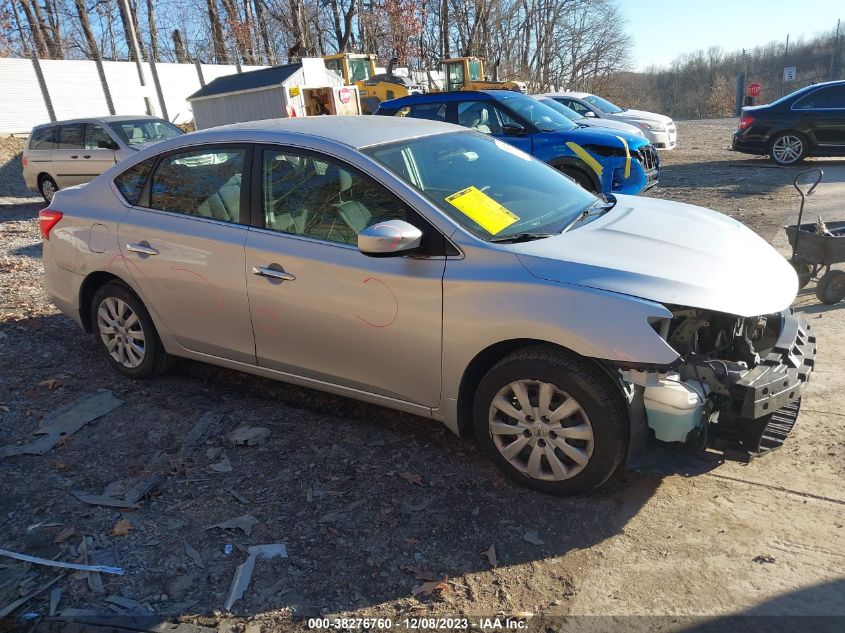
788	148
551	421
831	287
125	332
48	188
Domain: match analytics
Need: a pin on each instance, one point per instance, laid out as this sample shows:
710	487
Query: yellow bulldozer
459	73
467	73
359	69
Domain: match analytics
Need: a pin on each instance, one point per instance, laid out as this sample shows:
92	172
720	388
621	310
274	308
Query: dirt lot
388	515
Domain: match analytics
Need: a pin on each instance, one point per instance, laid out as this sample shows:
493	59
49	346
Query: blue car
600	161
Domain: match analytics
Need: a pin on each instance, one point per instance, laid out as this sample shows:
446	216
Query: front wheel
551	421
788	148
580	178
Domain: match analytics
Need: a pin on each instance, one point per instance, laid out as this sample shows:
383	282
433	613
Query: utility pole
836	54
136	51
783	73
740	84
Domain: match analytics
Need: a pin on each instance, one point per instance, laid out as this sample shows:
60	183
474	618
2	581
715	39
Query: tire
115	307
788	148
831	287
595	416
48	188
581	178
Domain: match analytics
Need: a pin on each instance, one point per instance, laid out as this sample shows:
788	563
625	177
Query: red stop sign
345	95
754	90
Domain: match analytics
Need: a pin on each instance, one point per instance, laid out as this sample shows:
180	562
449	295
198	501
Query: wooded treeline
544	42
703	84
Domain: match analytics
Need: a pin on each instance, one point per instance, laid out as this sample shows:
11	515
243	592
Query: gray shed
301	89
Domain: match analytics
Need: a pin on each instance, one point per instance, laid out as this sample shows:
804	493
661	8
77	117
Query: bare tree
221	56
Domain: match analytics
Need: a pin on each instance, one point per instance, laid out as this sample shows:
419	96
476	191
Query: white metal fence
74	89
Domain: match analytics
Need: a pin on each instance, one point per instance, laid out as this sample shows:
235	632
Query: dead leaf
121	528
531	537
4	408
428	588
332	530
412	541
420	574
243	523
64	535
412	478
51	383
499	482
249	436
491	556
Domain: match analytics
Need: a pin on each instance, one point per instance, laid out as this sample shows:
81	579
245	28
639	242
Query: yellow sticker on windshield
486	212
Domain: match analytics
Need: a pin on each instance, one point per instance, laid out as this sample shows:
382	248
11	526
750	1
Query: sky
663	29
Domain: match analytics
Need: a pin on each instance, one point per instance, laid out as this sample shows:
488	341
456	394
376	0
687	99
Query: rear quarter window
43	138
131	182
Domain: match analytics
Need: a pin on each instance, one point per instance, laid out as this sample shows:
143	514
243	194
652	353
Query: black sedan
808	122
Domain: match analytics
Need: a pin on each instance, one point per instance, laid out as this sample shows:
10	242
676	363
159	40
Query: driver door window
317	198
579	107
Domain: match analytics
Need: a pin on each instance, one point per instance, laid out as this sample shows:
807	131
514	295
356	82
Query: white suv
67	153
659	129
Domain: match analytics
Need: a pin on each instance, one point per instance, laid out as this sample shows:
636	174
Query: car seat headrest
345	179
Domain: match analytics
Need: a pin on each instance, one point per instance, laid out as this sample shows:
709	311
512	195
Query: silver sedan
431	269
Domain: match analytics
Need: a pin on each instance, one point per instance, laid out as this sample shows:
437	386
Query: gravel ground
385	514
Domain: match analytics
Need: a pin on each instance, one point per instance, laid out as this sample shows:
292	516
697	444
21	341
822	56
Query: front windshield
539	114
569	113
602	104
487	186
359	70
140	131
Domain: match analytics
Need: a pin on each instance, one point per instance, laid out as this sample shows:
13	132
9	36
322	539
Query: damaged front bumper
733	392
767	398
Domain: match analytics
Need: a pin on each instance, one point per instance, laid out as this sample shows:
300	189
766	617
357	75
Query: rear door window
204	183
832	98
71	136
429	111
44	138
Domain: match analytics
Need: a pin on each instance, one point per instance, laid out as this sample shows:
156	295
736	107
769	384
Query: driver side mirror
106	145
590	114
386	239
513	129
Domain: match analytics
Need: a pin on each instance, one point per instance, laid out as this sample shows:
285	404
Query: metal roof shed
269	93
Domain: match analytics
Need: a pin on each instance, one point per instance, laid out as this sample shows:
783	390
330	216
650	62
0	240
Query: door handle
272	273
144	249
74	156
87	156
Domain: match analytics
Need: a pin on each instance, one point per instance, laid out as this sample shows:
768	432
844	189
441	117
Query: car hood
641	115
611	124
602	136
671	253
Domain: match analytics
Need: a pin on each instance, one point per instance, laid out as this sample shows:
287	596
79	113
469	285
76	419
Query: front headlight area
651	127
716	351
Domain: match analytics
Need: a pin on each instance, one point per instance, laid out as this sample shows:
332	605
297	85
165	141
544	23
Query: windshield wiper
527	236
603	208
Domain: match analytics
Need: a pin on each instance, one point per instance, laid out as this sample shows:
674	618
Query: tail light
745	121
24	161
47	219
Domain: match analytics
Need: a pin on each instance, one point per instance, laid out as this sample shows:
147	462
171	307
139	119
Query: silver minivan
67	153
